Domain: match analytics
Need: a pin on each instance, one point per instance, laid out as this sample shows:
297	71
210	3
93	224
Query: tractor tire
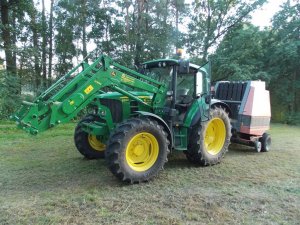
209	141
266	142
137	150
88	145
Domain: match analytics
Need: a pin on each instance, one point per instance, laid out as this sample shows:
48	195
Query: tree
6	30
212	19
50	35
284	62
9	80
34	26
44	45
64	46
240	55
103	19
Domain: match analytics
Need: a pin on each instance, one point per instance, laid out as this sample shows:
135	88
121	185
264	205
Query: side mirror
184	66
208	99
169	93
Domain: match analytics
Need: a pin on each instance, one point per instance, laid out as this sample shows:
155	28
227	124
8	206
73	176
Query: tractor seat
183	99
181	94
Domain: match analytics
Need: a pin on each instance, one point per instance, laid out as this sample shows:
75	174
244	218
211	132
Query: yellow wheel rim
95	143
215	135
142	152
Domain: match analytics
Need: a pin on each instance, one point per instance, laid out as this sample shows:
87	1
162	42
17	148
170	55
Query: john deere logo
113	74
88	89
127	79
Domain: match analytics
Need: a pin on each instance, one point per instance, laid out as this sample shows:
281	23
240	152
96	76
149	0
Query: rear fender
214	104
160	121
198	111
219	104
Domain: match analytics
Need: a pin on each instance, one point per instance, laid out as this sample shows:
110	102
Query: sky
262	17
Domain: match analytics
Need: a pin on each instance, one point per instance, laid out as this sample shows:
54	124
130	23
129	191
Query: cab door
199	110
203	91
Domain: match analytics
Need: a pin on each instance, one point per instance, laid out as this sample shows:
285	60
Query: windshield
161	74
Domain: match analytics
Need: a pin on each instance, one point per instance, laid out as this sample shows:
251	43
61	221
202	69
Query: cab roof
165	62
160	63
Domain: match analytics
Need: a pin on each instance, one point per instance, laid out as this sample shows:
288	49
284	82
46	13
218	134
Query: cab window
199	83
185	84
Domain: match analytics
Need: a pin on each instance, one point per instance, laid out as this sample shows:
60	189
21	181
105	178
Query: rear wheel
265	142
88	145
137	150
209	141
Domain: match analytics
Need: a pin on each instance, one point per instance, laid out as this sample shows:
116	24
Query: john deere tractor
136	118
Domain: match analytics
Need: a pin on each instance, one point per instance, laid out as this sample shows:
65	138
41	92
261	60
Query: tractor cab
186	103
186	82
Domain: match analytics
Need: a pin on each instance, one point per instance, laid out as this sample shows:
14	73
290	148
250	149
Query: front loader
136	118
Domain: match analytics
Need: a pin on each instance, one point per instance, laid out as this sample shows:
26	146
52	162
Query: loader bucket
27	117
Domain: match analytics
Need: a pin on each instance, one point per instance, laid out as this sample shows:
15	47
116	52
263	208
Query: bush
9	94
293	119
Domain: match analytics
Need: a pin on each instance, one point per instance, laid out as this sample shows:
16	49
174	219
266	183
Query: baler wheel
88	145
209	141
266	142
258	146
137	150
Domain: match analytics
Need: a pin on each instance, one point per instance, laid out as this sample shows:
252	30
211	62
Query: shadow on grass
75	172
238	150
60	174
178	159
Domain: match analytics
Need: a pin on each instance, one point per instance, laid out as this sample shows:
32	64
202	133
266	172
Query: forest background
42	40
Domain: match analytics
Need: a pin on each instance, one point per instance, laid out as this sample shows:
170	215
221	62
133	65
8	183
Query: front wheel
88	145
137	150
209	141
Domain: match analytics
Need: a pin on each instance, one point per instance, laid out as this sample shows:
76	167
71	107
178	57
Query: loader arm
76	90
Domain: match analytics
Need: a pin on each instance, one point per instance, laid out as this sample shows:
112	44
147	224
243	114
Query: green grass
44	180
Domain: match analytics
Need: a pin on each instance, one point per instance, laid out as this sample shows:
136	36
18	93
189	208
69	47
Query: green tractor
136	118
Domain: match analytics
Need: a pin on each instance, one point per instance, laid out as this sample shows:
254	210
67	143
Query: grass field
43	180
